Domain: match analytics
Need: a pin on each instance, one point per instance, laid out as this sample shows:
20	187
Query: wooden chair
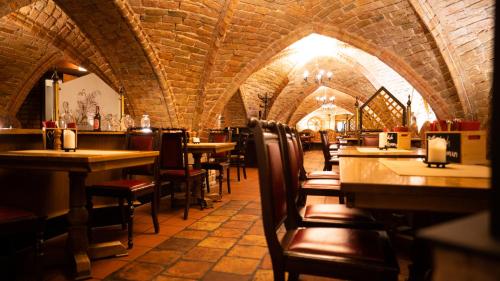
174	165
329	157
238	155
326	215
343	253
129	188
17	225
370	140
304	175
219	161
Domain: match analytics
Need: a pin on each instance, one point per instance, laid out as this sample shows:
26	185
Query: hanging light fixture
327	103
318	76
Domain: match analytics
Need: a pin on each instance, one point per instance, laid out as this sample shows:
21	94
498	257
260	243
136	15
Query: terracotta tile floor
222	243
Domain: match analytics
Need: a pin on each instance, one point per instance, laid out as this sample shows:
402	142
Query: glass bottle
97	119
145	122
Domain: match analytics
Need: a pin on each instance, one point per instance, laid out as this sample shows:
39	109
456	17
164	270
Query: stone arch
417	81
130	53
72	43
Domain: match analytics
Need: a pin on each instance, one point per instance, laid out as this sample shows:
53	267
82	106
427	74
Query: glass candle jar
145	121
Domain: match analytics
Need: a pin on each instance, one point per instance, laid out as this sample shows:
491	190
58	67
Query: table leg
77	230
204	202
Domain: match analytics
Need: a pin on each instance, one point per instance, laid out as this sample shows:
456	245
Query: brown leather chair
344	253
219	161
129	188
312	174
174	165
16	226
330	157
326	215
370	140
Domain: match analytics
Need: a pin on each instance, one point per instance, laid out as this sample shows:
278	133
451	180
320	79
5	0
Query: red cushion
322	183
334	211
181	173
323	175
9	214
334	242
127	184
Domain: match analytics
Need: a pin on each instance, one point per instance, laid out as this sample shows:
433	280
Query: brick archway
438	103
130	53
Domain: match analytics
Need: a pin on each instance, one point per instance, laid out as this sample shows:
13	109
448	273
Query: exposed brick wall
235	114
464	33
183	61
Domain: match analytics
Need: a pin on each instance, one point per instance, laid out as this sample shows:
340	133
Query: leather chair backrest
146	140
173	153
370	140
325	145
271	177
219	136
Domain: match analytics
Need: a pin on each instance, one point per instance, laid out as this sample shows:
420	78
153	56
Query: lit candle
69	139
382	140
436	150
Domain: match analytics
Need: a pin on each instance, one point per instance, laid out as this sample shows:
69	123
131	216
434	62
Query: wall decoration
80	97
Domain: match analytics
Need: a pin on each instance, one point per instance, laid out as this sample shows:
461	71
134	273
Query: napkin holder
399	140
51	138
465	147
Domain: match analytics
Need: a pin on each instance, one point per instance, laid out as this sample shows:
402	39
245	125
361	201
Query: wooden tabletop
80	161
211	147
371	184
353	151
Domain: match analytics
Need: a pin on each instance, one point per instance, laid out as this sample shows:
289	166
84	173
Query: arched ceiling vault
309	104
42	18
182	61
391	31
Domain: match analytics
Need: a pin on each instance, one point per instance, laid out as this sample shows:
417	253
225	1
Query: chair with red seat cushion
174	164
317	214
15	226
219	161
353	254
129	188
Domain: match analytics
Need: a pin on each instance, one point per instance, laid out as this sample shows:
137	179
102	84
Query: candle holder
69	139
435	156
436	164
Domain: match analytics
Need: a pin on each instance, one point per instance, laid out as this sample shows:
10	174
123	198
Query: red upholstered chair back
271	178
219	136
370	140
146	140
173	153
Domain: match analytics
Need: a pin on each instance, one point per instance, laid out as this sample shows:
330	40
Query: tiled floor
222	243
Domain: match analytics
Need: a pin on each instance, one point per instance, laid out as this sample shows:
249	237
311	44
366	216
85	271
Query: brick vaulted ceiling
181	61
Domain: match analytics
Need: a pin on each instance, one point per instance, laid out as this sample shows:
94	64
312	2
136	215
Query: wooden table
352	151
197	149
370	184
78	164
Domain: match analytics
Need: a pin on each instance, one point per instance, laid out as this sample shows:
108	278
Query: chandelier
326	103
318	77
